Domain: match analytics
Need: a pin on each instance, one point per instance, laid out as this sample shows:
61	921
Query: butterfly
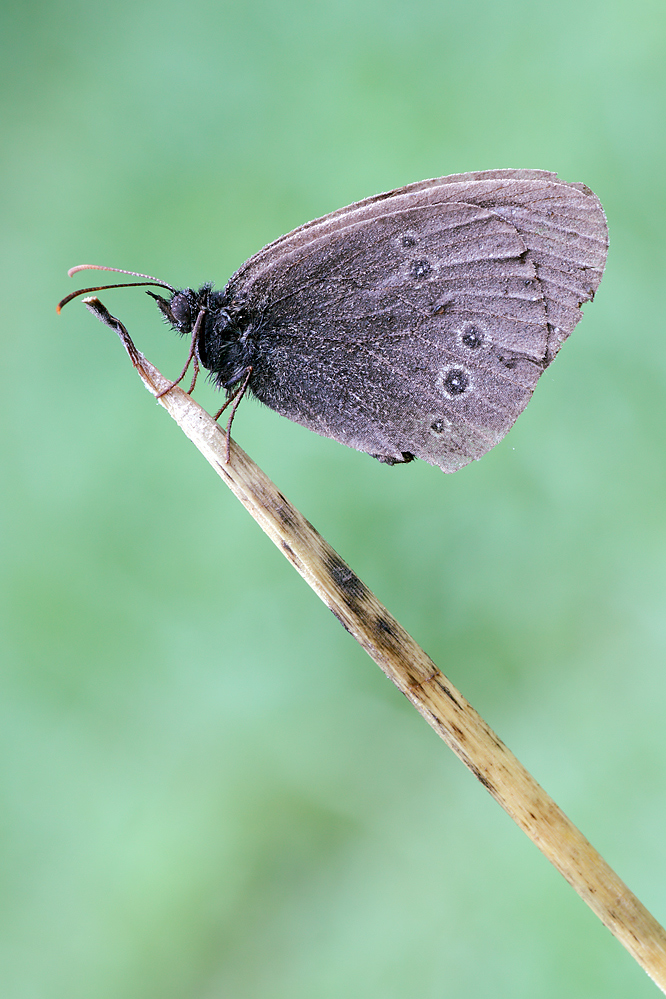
412	324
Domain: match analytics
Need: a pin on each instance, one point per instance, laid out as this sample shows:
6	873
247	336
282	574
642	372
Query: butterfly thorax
222	345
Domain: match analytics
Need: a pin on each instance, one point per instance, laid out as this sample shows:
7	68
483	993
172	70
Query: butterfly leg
235	397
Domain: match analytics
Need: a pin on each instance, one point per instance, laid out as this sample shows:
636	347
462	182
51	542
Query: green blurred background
208	789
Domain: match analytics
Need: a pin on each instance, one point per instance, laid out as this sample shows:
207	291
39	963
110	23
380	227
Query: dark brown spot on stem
353	589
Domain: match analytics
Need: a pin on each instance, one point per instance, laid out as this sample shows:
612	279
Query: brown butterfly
413	324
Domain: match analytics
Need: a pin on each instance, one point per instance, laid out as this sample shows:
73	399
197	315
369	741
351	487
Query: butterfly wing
417	323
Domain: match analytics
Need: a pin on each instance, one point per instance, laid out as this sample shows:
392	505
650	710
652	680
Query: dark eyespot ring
455	381
419	269
472	337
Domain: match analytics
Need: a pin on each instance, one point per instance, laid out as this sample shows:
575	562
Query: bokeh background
208	790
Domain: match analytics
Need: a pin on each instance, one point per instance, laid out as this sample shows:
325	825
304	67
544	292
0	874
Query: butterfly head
218	335
182	309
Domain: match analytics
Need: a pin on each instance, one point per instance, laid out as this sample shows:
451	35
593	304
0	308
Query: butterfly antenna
104	287
117	270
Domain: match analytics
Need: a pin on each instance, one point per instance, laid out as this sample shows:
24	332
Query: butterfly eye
186	307
181	309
